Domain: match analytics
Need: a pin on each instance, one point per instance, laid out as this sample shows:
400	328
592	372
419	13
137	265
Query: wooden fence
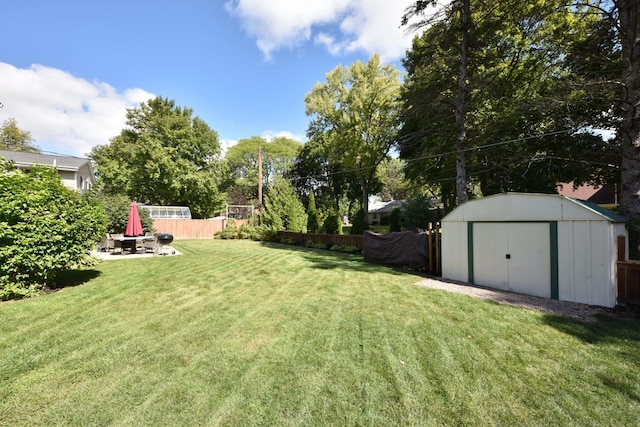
435	248
434	265
193	228
328	239
628	277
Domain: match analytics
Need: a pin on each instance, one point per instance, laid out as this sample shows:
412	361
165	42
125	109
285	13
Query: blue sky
70	68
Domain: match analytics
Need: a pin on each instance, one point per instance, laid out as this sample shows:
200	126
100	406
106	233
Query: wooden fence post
438	249
622	245
430	234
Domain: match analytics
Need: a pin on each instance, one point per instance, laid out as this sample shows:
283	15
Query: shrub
229	233
418	213
349	249
394	220
246	232
315	245
117	209
44	228
332	224
313	221
359	223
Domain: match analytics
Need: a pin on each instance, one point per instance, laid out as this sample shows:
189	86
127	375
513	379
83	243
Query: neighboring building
379	210
76	172
605	195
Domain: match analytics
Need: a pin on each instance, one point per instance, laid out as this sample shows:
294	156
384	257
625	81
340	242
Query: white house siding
68	179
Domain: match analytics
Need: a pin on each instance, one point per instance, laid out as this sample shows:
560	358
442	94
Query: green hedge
44	228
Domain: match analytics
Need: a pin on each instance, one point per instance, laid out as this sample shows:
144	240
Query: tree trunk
629	131
462	105
365	200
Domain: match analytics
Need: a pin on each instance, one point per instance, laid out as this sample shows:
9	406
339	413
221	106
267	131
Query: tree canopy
526	127
354	114
12	138
164	156
278	155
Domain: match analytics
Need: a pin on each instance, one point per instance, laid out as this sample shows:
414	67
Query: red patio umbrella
134	226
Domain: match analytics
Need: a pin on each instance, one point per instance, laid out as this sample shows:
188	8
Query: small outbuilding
545	245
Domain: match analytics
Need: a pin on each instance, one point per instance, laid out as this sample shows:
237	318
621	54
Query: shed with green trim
545	245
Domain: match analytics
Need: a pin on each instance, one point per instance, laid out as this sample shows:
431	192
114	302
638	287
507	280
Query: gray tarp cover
398	249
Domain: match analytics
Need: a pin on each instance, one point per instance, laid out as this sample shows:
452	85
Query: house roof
605	194
68	163
385	207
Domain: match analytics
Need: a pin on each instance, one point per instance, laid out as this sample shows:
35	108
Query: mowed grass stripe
246	333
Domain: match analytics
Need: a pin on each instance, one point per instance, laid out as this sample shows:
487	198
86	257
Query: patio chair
117	244
150	244
106	244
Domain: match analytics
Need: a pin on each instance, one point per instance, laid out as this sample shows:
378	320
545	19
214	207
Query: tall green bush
359	222
394	220
419	213
117	209
283	209
44	228
332	224
313	221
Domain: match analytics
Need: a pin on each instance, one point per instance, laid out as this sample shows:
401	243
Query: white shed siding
586	273
455	260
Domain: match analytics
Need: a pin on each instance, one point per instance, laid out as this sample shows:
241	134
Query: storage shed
545	245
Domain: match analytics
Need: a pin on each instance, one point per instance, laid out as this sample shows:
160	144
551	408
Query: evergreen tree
332	225
360	223
313	222
283	209
395	219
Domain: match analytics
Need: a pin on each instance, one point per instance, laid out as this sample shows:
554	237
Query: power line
466	150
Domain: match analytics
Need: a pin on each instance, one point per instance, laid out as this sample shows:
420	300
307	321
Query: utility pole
259	179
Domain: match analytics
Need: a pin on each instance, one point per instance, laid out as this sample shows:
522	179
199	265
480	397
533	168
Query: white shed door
513	256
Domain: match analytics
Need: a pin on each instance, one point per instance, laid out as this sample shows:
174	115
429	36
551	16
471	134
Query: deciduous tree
164	156
13	138
355	113
278	156
526	127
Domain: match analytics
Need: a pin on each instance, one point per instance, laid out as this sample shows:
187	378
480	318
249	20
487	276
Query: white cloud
64	113
226	143
270	135
357	25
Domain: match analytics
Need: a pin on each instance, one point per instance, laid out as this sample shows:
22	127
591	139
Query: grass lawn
243	333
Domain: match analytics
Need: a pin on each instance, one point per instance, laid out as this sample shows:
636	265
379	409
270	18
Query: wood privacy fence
434	264
328	239
628	277
193	228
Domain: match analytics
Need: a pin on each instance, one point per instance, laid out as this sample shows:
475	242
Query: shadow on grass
329	260
620	386
610	328
70	278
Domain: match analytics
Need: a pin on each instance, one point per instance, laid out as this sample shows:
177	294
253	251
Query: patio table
131	240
